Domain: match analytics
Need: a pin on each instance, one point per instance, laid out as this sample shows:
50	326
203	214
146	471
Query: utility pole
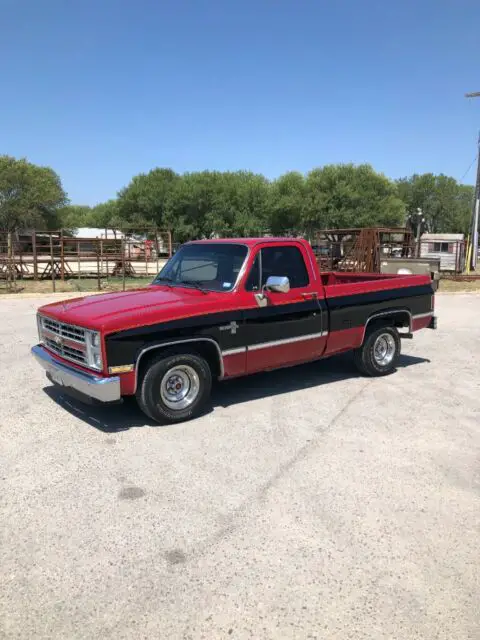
476	200
476	208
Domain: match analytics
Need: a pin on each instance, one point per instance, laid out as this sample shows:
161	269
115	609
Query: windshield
211	267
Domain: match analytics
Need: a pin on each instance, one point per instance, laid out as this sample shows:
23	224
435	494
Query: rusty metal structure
59	255
361	249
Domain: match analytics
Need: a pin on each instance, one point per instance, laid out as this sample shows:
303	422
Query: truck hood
112	312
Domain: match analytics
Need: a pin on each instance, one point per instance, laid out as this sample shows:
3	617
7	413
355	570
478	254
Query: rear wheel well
203	348
398	319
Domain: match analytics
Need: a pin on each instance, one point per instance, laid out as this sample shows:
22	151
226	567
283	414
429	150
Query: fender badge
232	327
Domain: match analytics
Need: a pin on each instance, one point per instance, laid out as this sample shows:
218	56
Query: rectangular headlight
94	349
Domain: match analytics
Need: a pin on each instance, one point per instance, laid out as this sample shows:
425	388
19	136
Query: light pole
417	220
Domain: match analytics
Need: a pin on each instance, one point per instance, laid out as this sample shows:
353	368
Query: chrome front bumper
87	384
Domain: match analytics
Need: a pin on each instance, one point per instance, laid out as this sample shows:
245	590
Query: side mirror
280	284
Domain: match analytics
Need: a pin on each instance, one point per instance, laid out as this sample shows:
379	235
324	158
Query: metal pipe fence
113	258
58	256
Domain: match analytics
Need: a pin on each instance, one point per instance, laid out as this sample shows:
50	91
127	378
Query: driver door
286	328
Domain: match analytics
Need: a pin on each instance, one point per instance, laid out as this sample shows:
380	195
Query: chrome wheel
384	349
180	387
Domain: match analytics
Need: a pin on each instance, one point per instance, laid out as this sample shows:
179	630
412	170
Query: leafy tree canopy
143	200
72	216
237	203
212	203
446	205
287	203
348	196
30	196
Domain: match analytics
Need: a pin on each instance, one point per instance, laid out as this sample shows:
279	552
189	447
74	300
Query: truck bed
341	284
337	277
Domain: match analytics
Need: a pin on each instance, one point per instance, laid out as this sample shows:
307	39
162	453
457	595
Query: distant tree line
241	203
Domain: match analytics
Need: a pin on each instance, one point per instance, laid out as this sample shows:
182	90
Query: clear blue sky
103	89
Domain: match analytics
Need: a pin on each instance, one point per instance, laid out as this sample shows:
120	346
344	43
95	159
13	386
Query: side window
279	261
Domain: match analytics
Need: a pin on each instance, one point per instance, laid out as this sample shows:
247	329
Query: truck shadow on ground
121	417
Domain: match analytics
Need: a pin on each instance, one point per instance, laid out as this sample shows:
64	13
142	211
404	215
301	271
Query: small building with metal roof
449	248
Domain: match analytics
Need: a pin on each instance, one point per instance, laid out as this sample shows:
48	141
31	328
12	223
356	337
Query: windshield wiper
165	279
170	282
193	283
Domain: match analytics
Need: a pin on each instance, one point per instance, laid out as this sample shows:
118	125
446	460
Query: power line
471	165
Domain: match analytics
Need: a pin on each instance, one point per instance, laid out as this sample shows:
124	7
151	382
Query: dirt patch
458	286
74	287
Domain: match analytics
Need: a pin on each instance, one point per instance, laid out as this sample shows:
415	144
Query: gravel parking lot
309	503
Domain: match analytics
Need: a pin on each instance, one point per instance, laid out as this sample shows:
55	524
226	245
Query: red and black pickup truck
221	309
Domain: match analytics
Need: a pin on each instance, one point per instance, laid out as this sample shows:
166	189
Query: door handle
310	296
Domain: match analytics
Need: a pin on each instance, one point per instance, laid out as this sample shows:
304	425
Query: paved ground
310	503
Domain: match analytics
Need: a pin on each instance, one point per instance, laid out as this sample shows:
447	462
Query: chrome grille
64	330
58	337
65	351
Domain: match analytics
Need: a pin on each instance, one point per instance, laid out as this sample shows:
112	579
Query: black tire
367	358
156	393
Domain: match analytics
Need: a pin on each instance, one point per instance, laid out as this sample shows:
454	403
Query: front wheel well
207	349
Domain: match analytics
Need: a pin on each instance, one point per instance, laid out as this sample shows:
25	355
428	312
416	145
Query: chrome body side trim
175	342
422	315
102	389
274	343
232	352
277	343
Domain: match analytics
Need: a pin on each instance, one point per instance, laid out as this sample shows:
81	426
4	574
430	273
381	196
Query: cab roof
249	242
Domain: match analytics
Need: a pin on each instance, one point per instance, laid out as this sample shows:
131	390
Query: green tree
286	210
73	216
212	203
101	216
30	196
239	203
350	196
188	204
105	215
446	204
143	201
